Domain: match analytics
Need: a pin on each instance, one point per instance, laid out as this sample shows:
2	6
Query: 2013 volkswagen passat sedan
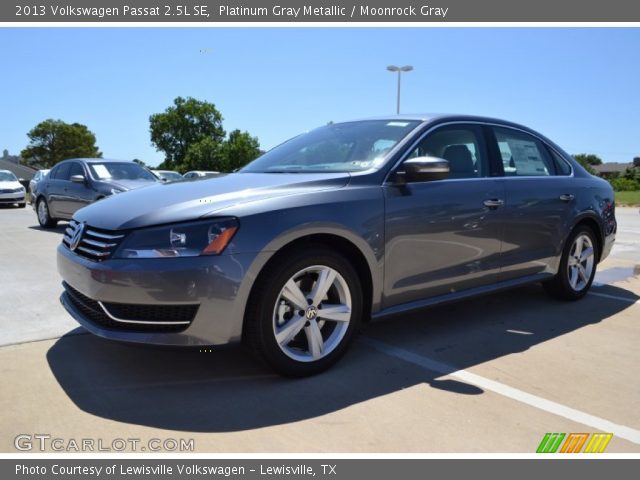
348	222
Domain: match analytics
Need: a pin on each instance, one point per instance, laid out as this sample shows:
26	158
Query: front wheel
577	266
304	311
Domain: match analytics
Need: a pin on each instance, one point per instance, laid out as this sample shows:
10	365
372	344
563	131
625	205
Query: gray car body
413	245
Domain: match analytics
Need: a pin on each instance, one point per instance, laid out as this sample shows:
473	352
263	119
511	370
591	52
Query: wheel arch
591	220
367	267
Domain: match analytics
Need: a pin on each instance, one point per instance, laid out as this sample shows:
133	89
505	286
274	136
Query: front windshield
120	171
7	177
341	147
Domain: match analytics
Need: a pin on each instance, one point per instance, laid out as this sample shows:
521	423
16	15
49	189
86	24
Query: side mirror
423	169
77	178
21	179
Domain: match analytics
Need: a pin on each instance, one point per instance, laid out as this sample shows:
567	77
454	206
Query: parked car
75	183
199	174
11	190
167	175
349	222
39	175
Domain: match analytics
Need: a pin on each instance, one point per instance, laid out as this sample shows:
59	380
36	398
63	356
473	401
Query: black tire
22	205
47	221
560	286
259	325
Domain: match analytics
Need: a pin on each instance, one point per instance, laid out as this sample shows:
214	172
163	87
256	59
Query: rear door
55	189
539	203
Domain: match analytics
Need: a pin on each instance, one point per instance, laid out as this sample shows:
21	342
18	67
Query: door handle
493	203
567	197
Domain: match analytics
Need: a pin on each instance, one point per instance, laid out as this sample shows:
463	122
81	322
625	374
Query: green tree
54	140
582	160
183	125
623	184
238	150
588	158
203	155
632	173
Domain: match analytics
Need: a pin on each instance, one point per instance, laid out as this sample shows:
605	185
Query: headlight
207	237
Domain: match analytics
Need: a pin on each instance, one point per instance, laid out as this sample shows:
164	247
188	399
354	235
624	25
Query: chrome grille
95	243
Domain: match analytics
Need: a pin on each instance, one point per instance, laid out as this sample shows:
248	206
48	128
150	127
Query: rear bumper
214	284
607	245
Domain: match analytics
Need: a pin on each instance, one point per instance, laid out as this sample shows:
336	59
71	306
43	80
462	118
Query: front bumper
10	198
216	284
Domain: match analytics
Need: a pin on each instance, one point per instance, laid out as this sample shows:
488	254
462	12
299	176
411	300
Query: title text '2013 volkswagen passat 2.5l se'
348	222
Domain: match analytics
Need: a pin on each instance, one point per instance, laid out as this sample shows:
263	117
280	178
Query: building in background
611	169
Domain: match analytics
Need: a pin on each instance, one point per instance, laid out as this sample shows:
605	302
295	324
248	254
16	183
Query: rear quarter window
562	165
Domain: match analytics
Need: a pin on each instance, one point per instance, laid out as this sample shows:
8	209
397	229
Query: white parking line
615	297
540	403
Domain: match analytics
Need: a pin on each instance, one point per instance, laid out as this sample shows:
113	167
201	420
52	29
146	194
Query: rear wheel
44	217
304	311
577	266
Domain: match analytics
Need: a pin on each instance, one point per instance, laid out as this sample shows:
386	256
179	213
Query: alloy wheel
43	213
312	313
581	262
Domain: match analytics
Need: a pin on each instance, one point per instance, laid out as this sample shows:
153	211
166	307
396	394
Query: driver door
444	236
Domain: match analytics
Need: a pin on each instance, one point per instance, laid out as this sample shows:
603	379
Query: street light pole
393	68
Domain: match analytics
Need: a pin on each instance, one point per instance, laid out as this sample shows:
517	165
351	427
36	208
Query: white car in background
167	175
40	174
11	191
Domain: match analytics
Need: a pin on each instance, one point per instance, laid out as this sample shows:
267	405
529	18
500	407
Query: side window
62	171
76	169
461	145
562	166
523	155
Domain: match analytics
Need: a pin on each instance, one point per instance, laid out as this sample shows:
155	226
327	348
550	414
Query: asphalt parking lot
492	374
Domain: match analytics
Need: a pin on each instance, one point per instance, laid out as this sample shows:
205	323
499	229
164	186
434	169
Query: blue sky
579	86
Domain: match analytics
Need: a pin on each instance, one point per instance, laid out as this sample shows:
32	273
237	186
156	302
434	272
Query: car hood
181	201
10	185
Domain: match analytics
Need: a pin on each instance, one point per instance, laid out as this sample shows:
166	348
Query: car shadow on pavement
225	390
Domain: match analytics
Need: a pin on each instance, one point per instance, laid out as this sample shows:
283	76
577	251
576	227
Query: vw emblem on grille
311	312
76	237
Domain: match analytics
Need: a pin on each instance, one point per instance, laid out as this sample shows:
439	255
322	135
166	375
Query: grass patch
631	199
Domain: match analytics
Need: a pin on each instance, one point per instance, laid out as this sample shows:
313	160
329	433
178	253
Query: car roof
441	117
97	160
